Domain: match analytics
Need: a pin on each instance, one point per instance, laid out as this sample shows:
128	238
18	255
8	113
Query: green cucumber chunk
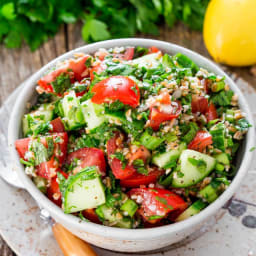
229	116
194	167
222	158
72	111
113	216
218	86
211	192
93	114
149	141
220	167
83	191
192	210
130	207
31	121
162	160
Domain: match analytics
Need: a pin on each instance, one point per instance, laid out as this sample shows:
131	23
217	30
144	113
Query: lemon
230	31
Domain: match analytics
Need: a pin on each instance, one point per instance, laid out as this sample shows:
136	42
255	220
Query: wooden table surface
17	65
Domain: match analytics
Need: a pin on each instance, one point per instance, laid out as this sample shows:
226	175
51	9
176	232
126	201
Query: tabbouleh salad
132	137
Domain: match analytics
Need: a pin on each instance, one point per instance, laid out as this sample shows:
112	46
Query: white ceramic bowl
115	238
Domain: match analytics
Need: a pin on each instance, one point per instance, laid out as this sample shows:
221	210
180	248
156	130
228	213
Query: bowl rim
112	232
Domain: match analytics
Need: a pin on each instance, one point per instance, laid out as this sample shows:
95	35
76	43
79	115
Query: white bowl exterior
115	238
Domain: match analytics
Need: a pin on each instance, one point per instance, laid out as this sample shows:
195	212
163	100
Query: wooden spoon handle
70	244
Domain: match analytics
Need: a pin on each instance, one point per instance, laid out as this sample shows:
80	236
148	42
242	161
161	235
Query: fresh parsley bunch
34	21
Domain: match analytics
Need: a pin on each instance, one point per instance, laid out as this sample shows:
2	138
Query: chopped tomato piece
206	83
53	191
47	169
199	104
119	171
153	49
140	179
162	113
129	53
22	147
141	153
91	216
201	141
157	203
88	157
76	69
115	88
57	125
211	114
97	69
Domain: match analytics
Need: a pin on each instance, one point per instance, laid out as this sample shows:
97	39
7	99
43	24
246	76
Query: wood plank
17	65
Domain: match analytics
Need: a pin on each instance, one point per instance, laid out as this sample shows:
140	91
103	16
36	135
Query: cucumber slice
42	115
83	191
130	207
93	114
149	61
164	159
192	210
211	192
149	141
189	173
72	111
222	158
113	216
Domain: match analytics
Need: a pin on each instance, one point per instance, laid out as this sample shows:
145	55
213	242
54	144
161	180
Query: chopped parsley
199	163
140	166
61	83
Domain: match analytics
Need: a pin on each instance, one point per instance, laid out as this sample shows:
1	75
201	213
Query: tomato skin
75	68
116	164
97	69
129	53
141	153
211	114
199	104
153	49
157	201
57	125
21	146
91	216
79	68
139	179
157	116
206	83
54	190
201	141
89	157
115	88
45	82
